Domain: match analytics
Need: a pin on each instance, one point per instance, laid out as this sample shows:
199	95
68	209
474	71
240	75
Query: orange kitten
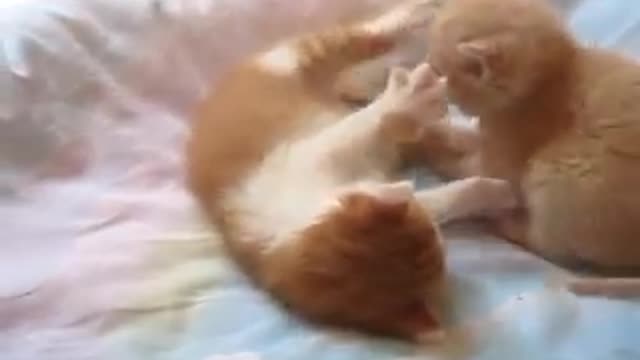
298	182
558	120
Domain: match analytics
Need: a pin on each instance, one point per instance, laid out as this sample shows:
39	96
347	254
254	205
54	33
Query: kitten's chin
466	110
479	104
485	110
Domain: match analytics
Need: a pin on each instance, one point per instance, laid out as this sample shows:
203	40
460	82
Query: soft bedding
103	254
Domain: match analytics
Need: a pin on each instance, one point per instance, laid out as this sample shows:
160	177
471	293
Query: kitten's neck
525	126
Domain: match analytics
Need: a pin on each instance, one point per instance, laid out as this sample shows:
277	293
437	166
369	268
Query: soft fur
559	120
297	179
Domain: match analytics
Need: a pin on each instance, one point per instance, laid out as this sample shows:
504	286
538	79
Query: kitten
558	120
300	184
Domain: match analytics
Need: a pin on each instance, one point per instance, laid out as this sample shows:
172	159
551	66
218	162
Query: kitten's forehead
460	23
463	20
529	22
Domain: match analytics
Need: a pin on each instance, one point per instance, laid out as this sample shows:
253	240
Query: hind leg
453	151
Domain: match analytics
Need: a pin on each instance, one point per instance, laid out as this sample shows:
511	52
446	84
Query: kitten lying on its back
559	120
298	182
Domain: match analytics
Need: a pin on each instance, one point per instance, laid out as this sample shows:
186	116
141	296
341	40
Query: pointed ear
381	203
480	56
394	193
392	201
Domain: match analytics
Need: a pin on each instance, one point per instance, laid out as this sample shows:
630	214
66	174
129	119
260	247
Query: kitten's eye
473	68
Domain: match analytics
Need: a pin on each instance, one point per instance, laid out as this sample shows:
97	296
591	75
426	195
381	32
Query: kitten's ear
392	200
484	55
395	193
478	55
387	202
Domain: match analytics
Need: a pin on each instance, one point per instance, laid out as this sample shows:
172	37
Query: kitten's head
373	262
495	53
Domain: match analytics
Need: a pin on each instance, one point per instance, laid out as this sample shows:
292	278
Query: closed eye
473	68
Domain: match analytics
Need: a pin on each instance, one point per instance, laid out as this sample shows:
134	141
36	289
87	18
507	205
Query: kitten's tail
605	287
594	280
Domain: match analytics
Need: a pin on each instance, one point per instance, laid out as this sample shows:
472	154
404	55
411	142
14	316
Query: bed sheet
103	254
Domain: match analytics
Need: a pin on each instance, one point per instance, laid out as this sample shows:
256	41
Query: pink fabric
91	137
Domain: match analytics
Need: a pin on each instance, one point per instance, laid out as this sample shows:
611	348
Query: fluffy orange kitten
559	120
300	183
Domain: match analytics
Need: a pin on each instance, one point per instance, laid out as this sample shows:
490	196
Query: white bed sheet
102	253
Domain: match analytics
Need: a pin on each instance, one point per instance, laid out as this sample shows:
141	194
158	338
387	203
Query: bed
103	254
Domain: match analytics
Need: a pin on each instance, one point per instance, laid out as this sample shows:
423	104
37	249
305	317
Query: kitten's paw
497	194
411	101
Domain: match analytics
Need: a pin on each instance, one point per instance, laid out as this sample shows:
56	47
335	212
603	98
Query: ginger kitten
300	184
559	120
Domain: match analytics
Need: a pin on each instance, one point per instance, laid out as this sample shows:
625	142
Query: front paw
411	101
498	195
